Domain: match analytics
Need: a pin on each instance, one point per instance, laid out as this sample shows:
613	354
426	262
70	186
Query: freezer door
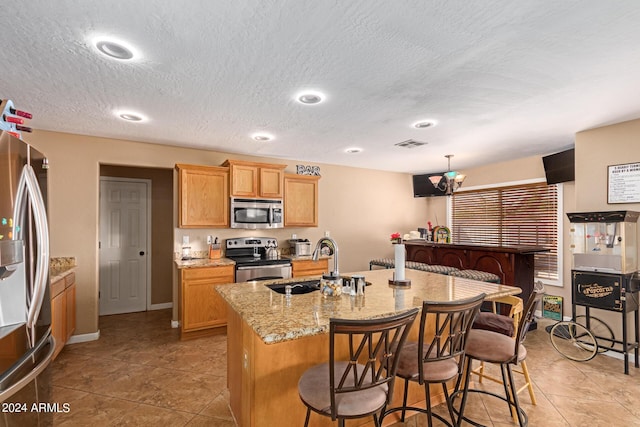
38	242
13	283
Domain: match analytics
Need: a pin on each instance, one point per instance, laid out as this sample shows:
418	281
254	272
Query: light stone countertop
60	267
275	320
203	262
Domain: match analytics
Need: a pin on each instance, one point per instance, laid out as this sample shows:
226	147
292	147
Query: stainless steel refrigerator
26	344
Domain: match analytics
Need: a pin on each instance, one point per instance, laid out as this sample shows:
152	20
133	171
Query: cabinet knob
141	253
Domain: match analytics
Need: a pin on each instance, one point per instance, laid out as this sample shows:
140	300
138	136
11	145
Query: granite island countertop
274	319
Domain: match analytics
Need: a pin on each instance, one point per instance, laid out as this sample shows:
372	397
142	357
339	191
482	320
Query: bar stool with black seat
495	347
437	356
358	379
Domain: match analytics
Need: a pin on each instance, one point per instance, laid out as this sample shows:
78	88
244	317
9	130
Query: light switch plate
185	240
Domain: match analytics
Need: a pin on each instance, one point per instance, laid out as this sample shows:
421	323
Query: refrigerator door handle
42	240
37	370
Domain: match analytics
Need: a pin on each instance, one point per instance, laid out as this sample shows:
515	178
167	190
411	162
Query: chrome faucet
316	253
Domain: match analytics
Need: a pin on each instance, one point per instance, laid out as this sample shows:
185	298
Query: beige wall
359	207
597	149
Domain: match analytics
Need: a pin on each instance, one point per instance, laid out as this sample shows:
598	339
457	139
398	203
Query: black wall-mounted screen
422	187
560	167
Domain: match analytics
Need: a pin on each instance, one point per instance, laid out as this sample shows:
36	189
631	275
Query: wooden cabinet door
302	268
244	181
253	179
59	320
203	196
70	300
202	306
300	200
271	182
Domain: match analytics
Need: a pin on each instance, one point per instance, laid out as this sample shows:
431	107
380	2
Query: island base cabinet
263	379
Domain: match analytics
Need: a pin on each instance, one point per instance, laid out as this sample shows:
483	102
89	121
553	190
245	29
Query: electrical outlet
209	240
326	234
185	240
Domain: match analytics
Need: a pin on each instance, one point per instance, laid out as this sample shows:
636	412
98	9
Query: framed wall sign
623	183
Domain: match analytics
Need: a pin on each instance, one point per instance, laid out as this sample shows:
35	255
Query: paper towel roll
399	259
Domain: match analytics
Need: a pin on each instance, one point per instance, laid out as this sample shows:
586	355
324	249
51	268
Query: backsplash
198	239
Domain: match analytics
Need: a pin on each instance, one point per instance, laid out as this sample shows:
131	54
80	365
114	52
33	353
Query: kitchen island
272	340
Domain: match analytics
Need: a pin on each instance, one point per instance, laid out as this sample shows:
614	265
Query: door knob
141	253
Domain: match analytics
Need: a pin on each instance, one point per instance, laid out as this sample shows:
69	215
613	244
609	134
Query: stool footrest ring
413	408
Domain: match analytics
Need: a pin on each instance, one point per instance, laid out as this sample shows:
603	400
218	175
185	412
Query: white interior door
124	245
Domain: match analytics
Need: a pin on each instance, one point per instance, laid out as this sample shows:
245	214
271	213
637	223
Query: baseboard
84	338
162	306
619	356
175	324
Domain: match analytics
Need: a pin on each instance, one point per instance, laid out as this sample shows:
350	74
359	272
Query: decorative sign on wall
308	170
624	183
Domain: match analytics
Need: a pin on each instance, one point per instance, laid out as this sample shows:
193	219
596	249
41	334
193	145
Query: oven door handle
253	267
263	278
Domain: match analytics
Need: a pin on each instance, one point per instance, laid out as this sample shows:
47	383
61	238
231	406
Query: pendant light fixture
450	181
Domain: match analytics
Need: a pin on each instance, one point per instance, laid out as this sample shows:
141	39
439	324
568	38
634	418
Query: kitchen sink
297	288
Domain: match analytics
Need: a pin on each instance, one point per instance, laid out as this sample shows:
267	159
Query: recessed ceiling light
310	97
114	49
353	150
131	116
262	137
423	124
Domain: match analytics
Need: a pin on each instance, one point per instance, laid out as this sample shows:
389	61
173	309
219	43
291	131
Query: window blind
521	215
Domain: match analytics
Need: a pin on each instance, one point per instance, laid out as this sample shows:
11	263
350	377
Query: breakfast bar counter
272	339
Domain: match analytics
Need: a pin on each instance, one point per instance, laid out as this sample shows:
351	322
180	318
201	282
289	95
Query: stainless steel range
256	259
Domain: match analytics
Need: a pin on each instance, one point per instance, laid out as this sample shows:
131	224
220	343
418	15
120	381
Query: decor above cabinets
252	179
203	196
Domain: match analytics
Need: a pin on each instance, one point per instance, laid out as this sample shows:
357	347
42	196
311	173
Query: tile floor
139	374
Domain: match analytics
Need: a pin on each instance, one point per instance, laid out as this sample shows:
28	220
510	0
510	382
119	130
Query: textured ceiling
504	79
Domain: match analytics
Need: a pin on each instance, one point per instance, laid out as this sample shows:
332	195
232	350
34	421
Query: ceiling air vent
410	143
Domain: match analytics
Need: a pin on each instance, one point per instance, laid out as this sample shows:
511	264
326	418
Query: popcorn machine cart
605	274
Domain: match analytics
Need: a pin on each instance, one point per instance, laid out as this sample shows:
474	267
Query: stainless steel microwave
257	213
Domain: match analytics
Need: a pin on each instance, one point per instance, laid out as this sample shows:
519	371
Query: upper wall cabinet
251	179
300	200
203	193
